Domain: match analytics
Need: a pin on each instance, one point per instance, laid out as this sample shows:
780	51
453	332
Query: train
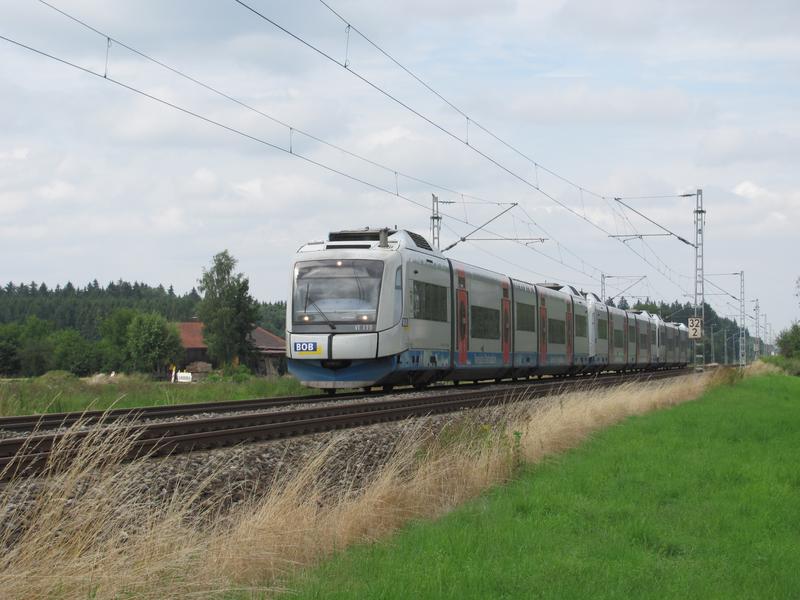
380	307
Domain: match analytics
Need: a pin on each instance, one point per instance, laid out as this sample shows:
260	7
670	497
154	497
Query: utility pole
742	327
757	340
713	356
725	345
699	278
436	221
603	287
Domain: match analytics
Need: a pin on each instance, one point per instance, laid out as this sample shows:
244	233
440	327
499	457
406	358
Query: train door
570	339
625	336
462	318
505	315
542	328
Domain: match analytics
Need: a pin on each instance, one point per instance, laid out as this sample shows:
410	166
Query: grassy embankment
62	392
790	365
700	501
94	531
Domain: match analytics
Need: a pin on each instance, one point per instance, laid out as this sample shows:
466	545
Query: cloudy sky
628	99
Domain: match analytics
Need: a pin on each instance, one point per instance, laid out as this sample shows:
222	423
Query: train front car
344	315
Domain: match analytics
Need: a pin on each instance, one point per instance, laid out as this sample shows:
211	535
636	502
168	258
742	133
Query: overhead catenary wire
447	131
293	129
231	129
470	119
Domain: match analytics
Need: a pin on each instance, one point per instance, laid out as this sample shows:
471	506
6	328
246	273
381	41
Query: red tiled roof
192	335
263	339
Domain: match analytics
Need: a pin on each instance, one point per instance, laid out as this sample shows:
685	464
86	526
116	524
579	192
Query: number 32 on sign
695	328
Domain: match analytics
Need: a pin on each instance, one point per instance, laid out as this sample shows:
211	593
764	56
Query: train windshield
336	291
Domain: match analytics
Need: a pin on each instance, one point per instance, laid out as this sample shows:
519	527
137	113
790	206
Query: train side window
580	326
619	338
428	301
398	294
643	341
602	329
485	323
556	331
631	334
526	317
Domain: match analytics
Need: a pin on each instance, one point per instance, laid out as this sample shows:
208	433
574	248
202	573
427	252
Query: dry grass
760	367
93	532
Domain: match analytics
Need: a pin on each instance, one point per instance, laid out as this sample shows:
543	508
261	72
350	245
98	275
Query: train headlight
364	318
306	318
338	263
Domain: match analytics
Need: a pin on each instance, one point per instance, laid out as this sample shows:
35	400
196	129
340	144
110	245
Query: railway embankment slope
698	501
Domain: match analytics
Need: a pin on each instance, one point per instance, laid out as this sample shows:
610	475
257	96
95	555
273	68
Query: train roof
372	238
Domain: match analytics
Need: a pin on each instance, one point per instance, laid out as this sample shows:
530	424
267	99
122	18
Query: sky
637	99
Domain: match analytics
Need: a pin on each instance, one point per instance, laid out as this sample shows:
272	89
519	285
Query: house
270	350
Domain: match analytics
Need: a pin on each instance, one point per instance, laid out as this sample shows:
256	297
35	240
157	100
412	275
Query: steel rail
49	420
46	421
28	456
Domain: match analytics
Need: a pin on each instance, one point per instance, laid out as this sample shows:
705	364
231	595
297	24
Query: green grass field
60	392
700	501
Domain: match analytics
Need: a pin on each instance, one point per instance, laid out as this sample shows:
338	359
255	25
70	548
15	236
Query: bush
789	342
238	373
790	365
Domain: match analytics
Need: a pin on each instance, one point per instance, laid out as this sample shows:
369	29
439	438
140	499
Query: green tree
273	317
113	347
789	341
9	348
152	343
72	352
227	310
35	346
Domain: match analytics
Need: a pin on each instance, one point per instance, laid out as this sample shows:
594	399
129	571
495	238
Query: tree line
128	326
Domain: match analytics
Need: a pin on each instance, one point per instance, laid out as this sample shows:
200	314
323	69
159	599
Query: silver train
380	307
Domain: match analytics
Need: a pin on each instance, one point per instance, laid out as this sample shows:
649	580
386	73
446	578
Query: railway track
29	455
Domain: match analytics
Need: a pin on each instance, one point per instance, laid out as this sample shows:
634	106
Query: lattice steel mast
699	279
742	334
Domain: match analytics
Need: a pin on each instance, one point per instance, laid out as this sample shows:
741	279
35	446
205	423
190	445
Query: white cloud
15	154
751	191
57	190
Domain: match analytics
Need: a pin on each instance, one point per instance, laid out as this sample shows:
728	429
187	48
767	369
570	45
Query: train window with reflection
428	301
484	323
580	326
336	291
556	331
619	338
526	317
602	329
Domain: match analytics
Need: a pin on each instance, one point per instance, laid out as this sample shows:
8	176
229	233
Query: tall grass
94	532
62	392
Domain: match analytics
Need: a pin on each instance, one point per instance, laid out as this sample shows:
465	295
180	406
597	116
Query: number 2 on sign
695	328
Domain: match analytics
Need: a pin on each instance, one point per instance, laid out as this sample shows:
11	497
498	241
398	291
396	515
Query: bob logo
307	348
